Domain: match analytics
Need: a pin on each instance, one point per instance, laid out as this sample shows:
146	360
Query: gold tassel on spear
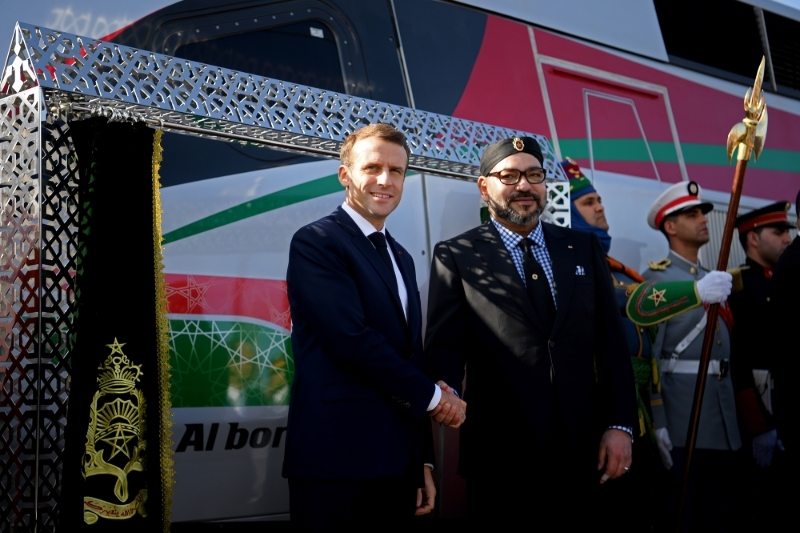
748	136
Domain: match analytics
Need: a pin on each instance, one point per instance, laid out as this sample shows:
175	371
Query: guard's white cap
677	198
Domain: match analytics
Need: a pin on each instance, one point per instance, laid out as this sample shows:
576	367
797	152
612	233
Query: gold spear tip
753	96
749	136
760	73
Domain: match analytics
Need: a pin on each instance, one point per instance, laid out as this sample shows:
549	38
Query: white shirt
368	229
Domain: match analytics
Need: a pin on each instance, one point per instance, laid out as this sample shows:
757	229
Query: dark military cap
498	151
772	215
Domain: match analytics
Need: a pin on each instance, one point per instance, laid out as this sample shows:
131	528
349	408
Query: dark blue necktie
379	240
537	286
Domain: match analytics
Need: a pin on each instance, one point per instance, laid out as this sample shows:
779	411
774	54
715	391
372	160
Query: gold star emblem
119	441
116	347
657	296
518	144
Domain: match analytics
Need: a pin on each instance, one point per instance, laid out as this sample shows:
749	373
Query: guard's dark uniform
753	329
750	308
639	342
752	325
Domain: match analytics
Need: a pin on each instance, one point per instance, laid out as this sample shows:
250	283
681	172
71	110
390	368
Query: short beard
507	213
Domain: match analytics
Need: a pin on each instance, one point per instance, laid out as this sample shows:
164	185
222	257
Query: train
640	95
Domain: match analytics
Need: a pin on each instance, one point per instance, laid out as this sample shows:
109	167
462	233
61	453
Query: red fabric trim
763	220
750	412
674	203
726	315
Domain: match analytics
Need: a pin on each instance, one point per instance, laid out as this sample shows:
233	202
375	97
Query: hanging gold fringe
162	326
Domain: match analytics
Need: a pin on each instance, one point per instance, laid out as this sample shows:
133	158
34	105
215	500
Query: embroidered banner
118	461
94	508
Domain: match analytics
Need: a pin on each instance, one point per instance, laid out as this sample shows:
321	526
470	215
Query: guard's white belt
678	366
690	337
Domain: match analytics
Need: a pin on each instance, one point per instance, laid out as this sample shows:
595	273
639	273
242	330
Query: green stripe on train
276	200
635	150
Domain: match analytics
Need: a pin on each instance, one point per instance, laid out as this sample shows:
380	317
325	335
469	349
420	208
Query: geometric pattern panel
60	255
557	211
229	341
225	362
20	394
161	87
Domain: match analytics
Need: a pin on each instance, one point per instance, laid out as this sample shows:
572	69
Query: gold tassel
656	381
162	326
641	423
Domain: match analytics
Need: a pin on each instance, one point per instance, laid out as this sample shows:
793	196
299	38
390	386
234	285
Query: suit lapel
363	244
498	260
562	257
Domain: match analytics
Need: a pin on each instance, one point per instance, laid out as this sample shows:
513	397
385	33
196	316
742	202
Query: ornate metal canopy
50	78
137	84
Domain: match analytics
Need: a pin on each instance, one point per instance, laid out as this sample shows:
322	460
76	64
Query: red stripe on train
264	299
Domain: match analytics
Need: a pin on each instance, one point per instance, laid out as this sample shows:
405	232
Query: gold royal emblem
115	444
518	144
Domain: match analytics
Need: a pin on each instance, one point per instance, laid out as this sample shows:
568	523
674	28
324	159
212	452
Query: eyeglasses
511	176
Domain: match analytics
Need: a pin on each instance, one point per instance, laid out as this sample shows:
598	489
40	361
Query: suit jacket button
408	404
552	344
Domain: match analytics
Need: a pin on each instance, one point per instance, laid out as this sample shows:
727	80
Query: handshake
452	410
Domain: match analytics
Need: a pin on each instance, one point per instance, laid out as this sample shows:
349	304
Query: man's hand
764	447
426	497
615	454
452	410
664	446
715	287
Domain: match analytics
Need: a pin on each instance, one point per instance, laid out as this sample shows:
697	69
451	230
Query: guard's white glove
715	287
664	446
764	447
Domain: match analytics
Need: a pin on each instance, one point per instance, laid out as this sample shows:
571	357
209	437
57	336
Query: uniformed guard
643	305
640	310
764	234
679	214
785	319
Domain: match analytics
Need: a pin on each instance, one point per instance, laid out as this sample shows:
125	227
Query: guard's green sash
655	301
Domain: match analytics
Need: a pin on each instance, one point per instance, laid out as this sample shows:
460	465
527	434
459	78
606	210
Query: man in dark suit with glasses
528	309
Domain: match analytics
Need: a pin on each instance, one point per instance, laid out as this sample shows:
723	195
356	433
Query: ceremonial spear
748	136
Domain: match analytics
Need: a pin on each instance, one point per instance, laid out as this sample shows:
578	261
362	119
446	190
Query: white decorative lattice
39	246
557	210
87	71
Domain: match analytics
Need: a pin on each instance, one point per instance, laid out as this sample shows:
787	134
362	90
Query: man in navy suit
359	447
